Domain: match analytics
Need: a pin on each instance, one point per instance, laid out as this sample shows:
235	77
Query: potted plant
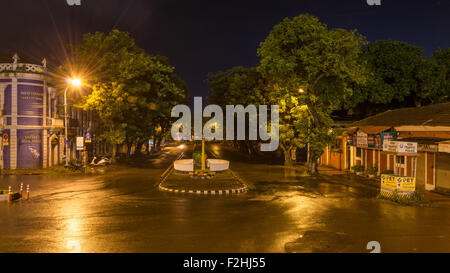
358	169
197	156
372	171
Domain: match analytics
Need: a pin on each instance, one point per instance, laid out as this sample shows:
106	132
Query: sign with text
400	147
388	136
80	143
361	139
5	139
432	148
29	149
389	146
88	138
401	185
388	183
407	147
406	185
30	100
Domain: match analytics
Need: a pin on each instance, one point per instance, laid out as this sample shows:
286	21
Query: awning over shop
444	146
350	131
373	130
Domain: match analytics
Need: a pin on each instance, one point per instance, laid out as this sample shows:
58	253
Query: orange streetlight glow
75	82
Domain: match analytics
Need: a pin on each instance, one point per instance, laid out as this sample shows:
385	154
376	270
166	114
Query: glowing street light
301	91
76	82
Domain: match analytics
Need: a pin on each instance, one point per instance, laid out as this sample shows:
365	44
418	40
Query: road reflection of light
72	225
302	212
180	210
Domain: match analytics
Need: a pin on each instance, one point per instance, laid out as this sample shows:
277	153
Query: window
400	159
358	152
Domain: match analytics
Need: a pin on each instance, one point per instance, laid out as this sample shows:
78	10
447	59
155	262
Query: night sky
201	36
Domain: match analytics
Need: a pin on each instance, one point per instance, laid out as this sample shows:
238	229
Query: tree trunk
114	152
250	148
158	144
129	146
154	145
139	148
313	164
287	156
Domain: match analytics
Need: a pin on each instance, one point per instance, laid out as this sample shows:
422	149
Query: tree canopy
132	91
400	76
303	59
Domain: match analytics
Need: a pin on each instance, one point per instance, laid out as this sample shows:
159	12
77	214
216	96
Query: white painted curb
206	192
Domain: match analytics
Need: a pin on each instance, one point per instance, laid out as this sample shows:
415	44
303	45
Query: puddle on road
317	241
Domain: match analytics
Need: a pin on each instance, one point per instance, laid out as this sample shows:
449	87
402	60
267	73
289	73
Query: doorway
54	152
429	171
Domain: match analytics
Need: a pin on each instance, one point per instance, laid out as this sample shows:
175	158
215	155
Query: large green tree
400	77
132	91
441	58
304	54
238	86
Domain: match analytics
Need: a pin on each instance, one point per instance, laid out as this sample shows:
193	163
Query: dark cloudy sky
201	36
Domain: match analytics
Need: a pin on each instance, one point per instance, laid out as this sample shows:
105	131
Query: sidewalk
434	197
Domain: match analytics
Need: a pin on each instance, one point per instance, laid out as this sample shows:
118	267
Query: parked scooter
75	166
100	162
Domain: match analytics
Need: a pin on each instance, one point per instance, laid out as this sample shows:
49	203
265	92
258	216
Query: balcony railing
57	123
22	67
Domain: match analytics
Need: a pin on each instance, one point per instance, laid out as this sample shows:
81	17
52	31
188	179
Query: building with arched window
32	131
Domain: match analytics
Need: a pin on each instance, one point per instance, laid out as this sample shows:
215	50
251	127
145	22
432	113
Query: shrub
197	156
372	170
358	168
414	199
387	172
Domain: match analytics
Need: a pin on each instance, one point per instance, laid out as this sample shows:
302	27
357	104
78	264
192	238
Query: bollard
28	192
9	195
21	190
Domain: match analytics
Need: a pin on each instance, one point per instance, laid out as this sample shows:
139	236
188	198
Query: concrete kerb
206	192
202	192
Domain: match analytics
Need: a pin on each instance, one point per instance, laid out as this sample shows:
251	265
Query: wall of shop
420	170
443	171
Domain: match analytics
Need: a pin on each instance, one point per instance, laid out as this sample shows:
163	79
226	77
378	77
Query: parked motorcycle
100	162
75	166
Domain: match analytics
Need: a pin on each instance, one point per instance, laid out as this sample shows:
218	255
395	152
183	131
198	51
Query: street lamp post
74	83
66	139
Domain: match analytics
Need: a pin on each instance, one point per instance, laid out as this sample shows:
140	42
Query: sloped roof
373	130
431	115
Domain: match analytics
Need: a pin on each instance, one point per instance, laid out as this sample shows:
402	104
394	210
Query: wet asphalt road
122	211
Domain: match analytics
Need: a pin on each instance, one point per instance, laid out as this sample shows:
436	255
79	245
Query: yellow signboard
5	139
401	185
388	183
406	185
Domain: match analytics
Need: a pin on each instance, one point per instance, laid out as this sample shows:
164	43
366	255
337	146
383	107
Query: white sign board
400	147
389	146
361	139
407	147
432	148
80	143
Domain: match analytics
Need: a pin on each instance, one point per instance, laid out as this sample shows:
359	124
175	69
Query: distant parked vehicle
100	162
75	166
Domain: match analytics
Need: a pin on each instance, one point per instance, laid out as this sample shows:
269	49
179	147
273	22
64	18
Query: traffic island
222	183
